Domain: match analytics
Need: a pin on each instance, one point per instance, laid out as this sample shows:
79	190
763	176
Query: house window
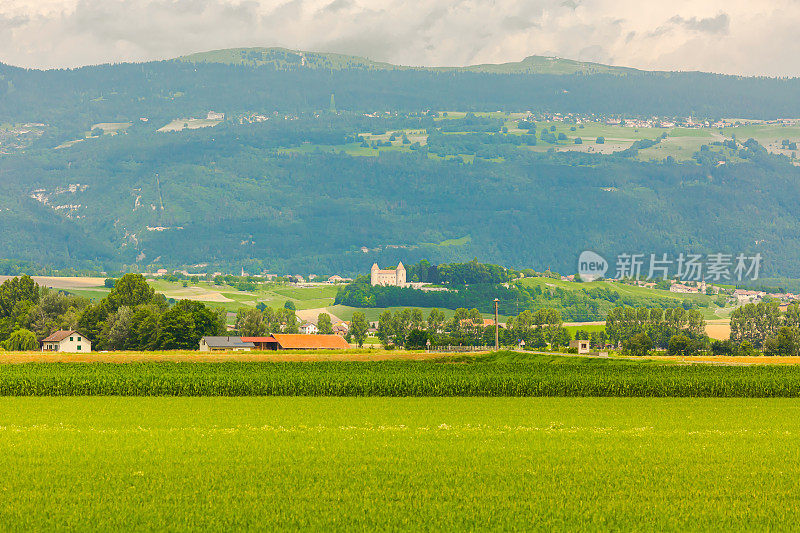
70	339
79	347
79	339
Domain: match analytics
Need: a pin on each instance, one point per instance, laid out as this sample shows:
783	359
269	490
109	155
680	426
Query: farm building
262	343
288	341
278	341
581	345
66	341
214	344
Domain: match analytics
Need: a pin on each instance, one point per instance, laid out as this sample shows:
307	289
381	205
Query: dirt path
217	357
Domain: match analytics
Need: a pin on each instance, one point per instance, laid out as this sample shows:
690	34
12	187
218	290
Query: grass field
411	464
633	291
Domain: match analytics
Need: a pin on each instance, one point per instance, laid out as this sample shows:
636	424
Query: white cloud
732	36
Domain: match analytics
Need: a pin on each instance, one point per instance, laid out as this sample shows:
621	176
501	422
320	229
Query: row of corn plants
474	378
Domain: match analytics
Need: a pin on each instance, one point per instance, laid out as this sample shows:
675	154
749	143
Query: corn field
491	376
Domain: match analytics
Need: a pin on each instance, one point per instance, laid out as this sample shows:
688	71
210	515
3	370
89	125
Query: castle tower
373	274
400	275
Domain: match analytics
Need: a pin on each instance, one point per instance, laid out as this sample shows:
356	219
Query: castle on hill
389	277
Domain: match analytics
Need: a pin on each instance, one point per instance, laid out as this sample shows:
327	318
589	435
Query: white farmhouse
307	328
67	341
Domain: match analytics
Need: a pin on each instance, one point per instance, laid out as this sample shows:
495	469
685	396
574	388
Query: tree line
131	317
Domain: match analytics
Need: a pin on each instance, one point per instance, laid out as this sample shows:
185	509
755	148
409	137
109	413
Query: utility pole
496	327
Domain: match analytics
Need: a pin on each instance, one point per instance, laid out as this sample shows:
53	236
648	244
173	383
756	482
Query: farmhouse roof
259	339
59	336
227	342
293	341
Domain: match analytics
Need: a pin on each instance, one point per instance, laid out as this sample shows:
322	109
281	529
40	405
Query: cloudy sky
730	36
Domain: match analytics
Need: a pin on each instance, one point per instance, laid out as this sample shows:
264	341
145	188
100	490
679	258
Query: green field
642	295
412	464
681	143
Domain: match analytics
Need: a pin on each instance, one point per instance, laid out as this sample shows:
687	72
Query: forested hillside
330	167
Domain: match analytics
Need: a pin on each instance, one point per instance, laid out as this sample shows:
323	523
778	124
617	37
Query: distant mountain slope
283	58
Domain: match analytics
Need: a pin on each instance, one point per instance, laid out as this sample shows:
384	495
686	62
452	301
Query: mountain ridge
285	57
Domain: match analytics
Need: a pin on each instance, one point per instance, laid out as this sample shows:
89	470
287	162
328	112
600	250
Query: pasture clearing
112	128
180	124
412	464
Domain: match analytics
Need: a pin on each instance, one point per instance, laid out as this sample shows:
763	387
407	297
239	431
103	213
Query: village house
66	341
341	328
744	296
683	289
307	328
388	277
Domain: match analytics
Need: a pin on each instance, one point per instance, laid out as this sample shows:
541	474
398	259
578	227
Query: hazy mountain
284	181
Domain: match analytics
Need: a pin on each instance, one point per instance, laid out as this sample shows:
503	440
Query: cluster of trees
134	317
412	329
459	274
638	330
487	146
28	312
264	320
763	326
131	317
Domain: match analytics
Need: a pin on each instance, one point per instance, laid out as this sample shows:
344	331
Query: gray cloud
735	36
713	25
337	5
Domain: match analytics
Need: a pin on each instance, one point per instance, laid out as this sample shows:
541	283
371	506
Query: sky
748	37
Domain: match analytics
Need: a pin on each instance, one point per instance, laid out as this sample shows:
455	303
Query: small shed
581	345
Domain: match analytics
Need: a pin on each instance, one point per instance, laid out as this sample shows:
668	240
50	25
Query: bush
638	345
109	283
22	340
417	339
601	140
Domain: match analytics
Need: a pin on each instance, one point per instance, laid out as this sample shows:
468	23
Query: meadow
492	374
411	464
